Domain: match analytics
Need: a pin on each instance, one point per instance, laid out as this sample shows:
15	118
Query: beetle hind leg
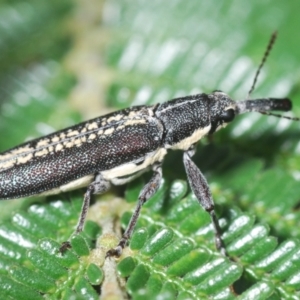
98	186
148	191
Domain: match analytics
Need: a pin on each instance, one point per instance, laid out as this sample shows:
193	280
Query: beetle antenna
279	116
266	54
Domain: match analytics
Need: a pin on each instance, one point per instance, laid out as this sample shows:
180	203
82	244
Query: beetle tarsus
64	247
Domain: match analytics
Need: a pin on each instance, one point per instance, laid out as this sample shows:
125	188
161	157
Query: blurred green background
66	61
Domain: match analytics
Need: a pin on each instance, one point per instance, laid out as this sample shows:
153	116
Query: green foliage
179	247
31	264
149	53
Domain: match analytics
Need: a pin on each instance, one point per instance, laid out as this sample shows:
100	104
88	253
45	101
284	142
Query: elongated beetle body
116	148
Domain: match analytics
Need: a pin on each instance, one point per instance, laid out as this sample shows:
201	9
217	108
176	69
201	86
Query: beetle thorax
186	120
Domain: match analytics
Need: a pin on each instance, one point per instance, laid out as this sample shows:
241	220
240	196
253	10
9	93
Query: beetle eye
228	115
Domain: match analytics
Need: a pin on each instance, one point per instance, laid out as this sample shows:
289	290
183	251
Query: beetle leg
98	186
202	192
148	191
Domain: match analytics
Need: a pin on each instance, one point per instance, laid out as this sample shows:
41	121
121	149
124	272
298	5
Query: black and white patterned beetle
119	146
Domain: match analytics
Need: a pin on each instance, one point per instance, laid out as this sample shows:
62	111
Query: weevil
115	148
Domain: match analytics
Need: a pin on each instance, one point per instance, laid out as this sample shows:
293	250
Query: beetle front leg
148	191
99	186
202	192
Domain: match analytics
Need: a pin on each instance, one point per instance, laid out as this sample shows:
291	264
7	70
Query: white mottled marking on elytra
55	139
109	131
12	154
8	164
59	147
189	141
72	133
51	148
24	159
83	130
134	122
92	136
93	125
103	123
132	114
6	157
83	139
22	150
41	153
78	142
62	136
69	144
100	132
130	168
120	127
43	142
115	118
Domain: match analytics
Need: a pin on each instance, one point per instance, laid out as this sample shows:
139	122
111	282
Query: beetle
118	147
